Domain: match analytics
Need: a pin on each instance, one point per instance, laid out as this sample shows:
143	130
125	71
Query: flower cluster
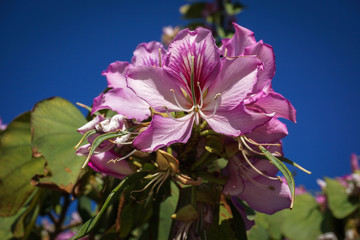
208	112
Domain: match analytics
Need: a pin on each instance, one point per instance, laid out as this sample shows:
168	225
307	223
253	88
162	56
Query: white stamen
157	176
244	173
122	158
169	114
257	170
178	104
217	99
248	147
261	144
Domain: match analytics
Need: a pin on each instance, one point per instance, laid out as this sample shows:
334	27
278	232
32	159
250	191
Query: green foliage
194	10
340	203
54	123
168	208
17	166
305	215
91	223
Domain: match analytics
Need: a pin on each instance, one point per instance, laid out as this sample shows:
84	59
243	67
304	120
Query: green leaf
288	161
304	221
233	8
17	166
283	169
340	203
7	222
258	232
168	208
194	10
91	223
271	223
133	215
54	123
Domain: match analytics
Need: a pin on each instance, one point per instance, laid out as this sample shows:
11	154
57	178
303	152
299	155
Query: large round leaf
54	123
17	167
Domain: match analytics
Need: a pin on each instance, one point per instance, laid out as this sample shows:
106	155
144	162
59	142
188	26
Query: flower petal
91	124
147	54
123	101
235	183
100	163
236	121
266	54
275	197
275	103
154	85
236	45
235	81
115	74
163	132
270	132
241	210
201	45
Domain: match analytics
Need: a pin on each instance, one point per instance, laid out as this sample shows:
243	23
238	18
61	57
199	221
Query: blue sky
60	48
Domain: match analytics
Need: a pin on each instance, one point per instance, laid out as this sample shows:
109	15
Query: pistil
192	84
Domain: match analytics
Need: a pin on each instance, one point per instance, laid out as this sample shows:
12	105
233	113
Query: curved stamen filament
260	144
247	146
201	96
178	104
163	180
122	158
156	177
158	180
257	170
244	173
217	100
171	116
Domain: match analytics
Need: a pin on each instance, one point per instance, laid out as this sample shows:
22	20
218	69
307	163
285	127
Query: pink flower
2	126
196	81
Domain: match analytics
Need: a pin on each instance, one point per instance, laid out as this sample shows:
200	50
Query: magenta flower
2	126
196	81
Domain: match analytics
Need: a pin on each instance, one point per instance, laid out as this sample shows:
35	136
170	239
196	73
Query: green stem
200	160
193	196
209	177
208	132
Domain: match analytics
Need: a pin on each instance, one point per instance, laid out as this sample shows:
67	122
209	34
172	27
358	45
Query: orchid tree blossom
197	83
122	99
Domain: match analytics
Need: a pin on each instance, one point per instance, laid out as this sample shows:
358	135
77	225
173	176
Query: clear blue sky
60	47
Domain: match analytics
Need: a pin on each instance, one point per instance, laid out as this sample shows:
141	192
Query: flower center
197	103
